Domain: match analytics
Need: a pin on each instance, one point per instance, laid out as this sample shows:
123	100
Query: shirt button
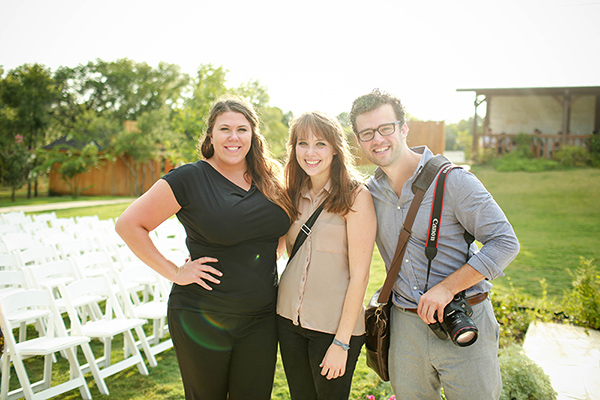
398	207
406	260
414	288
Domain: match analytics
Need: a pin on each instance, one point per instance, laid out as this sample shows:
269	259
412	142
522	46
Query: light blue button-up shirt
467	205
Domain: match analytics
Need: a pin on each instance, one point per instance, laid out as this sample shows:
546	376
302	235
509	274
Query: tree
189	121
27	94
144	142
15	164
70	162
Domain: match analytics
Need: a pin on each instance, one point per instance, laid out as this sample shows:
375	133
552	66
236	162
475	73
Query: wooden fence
112	179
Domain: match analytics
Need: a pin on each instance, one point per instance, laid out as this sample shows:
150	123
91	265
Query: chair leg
89	356
131	342
146	347
4	381
77	373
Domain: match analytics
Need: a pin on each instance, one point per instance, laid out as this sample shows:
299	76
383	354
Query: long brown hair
345	178
262	169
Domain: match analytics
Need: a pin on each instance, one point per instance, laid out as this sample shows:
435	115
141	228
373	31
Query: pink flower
393	397
19	138
370	397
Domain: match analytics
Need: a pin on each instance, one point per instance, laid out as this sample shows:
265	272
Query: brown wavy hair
262	168
375	99
345	178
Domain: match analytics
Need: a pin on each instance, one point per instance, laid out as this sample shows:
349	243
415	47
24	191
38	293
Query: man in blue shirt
420	362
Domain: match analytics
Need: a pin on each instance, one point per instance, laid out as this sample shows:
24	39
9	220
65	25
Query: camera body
457	322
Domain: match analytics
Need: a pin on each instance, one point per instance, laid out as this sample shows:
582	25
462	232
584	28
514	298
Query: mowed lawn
556	216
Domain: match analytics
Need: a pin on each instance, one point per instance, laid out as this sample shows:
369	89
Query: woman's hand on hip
198	272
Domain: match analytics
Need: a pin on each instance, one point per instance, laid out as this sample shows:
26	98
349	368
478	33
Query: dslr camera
457	322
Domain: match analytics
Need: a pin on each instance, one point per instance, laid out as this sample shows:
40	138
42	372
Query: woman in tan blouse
322	289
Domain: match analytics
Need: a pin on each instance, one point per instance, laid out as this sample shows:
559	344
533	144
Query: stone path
570	356
65	205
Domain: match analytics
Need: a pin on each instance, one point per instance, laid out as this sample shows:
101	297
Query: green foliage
459	136
70	163
523	379
573	156
513	162
15	163
464	141
582	302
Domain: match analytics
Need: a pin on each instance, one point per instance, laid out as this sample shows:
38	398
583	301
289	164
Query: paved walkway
65	205
570	356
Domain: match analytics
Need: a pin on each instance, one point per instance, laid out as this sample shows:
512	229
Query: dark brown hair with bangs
345	178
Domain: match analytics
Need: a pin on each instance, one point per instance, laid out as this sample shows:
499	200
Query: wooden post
566	116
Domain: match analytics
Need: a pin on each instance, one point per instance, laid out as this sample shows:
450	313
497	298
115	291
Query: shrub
582	302
573	156
523	379
515	162
515	311
514	318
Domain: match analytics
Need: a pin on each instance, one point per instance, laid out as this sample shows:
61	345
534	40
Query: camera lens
465	336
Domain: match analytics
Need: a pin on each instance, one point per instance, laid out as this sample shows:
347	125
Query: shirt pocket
331	238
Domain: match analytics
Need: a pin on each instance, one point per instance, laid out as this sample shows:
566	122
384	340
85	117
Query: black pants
302	350
223	356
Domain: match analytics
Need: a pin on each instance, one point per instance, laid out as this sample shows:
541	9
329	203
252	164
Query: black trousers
302	350
224	356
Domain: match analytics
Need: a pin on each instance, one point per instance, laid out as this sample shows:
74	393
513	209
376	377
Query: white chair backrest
51	275
13	281
44	217
93	263
6	229
37	255
74	247
19	241
17	217
9	261
33	227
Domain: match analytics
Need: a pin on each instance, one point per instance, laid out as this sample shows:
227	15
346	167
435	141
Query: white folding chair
62	223
49	276
154	310
93	263
19	241
53	340
15	218
9	261
112	323
13	281
6	229
37	255
44	217
33	227
73	247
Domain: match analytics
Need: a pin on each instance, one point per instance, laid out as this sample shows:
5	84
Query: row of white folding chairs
104	327
54	279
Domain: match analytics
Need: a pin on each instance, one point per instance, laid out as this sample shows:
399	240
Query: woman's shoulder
362	199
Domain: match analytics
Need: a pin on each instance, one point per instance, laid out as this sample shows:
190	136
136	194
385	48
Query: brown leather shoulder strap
386	289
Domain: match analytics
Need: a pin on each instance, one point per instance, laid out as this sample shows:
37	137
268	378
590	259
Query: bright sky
320	55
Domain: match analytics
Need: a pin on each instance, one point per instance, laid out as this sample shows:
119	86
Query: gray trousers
421	363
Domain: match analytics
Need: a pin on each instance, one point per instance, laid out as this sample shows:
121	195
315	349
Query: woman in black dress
235	213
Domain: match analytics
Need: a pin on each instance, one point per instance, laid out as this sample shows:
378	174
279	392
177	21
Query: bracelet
346	347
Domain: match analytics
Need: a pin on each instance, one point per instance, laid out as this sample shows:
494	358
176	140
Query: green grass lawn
556	216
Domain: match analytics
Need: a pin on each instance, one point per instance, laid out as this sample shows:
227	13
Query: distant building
558	115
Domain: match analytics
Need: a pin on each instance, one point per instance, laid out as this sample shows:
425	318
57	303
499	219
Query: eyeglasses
384	130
